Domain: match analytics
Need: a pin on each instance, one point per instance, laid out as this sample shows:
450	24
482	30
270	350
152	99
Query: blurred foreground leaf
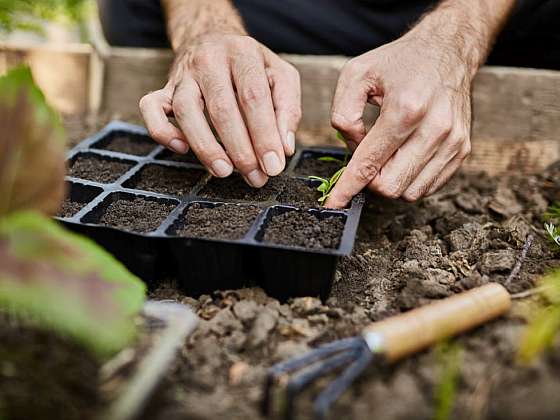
32	147
545	323
49	276
67	283
450	359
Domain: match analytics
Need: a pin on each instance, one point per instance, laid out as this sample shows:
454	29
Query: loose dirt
406	255
222	222
235	188
136	215
70	208
303	229
97	169
165	179
137	145
312	166
300	193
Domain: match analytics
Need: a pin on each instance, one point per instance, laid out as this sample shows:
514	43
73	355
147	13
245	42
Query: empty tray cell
215	221
311	164
165	179
98	168
131	212
300	193
307	229
77	197
123	142
166	154
234	187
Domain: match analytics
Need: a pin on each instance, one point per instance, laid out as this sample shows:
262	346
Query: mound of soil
69	208
299	193
136	215
94	168
132	145
44	376
406	255
298	228
221	222
189	157
165	179
234	187
312	166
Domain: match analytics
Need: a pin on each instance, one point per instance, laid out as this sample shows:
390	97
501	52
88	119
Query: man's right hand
251	96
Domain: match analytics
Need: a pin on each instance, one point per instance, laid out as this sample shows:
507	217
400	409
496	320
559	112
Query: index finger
382	141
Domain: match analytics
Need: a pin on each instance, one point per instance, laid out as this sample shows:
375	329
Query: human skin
422	83
250	95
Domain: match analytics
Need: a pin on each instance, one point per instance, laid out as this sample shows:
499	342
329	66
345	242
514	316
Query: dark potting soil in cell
228	221
176	157
298	228
69	208
166	180
137	215
299	193
133	145
312	166
98	169
235	188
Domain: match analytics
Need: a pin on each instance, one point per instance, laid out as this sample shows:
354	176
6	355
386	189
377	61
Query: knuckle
252	95
144	102
179	109
295	114
354	66
202	59
443	128
390	190
411	108
366	170
219	107
340	122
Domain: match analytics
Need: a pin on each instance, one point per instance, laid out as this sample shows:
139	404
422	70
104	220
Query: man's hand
422	83
251	96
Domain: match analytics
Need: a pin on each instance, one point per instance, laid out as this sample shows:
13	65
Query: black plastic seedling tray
201	265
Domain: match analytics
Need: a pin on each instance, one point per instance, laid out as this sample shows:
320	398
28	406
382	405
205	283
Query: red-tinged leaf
66	283
32	147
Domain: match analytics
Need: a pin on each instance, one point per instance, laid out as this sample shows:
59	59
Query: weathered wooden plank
62	71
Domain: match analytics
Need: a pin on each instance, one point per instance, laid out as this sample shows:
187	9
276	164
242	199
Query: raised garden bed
171	216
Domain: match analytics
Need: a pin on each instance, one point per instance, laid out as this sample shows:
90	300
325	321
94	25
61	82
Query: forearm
188	20
468	27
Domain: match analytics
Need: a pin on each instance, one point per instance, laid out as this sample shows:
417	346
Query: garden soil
406	255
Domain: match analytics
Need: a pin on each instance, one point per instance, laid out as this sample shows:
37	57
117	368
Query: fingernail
272	163
221	168
256	178
178	146
291	142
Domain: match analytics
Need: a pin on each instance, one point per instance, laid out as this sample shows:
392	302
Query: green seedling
327	185
341	162
450	358
552	219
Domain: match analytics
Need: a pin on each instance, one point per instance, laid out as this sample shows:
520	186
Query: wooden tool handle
415	330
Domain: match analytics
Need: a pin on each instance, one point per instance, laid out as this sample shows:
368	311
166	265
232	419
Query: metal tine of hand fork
320	361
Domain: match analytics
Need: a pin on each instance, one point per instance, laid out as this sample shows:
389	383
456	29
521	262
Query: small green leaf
340	136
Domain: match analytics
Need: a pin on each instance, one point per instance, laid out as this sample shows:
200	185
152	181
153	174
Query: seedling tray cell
163	214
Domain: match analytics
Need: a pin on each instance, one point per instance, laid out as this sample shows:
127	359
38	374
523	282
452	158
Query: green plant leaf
32	147
64	282
450	358
545	322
